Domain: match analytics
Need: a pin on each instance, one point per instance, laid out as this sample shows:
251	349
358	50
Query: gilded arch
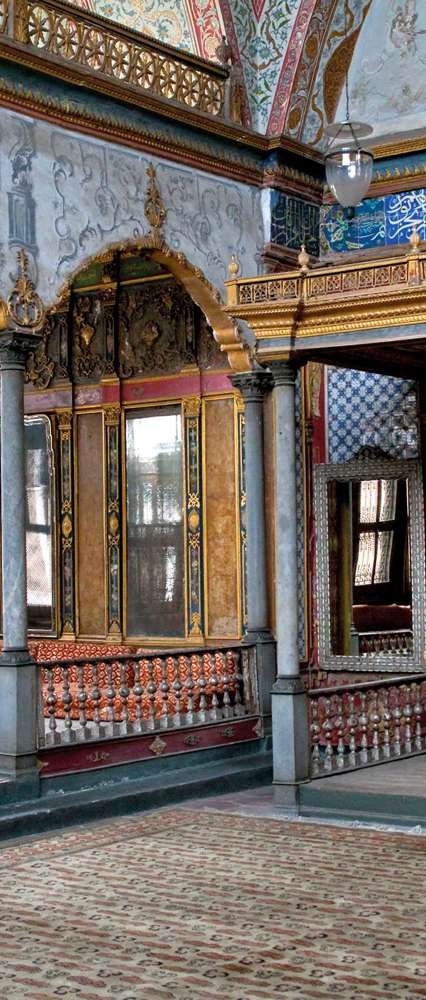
203	293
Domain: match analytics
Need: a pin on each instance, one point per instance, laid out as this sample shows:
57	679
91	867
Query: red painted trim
289	68
215	383
167	388
204	20
107	753
258	6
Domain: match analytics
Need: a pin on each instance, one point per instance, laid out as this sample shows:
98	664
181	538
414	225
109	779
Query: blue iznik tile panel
378	222
293	222
300	486
366	410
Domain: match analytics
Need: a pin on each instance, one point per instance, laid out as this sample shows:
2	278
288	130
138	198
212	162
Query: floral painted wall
66	197
391	48
195	25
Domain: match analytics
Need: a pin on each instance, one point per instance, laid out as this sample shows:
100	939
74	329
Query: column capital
15	345
252	385
283	373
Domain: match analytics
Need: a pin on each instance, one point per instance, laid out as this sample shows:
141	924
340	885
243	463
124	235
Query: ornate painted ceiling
290	56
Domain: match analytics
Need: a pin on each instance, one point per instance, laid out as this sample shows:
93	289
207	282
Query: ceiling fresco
387	80
290	57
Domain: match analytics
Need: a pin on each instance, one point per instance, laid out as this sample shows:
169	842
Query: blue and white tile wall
368	410
378	222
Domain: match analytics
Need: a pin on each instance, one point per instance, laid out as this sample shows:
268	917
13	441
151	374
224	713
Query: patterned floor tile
193	905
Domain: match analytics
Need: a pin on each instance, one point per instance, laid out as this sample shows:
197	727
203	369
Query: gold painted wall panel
221	518
269	457
91	594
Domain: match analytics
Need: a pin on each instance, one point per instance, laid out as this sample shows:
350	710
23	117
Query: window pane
39	525
365	563
155	533
388	499
369	495
384	552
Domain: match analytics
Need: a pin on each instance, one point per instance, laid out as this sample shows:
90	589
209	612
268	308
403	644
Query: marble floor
219	898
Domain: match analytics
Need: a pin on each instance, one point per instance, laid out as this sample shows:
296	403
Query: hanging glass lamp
349	168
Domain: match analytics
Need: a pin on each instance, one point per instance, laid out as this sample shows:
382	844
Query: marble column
290	733
253	386
18	673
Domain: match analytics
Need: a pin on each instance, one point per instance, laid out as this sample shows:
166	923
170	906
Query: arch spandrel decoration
193	280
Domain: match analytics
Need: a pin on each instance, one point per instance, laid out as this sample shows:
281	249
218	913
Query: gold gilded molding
201	291
296	306
87	41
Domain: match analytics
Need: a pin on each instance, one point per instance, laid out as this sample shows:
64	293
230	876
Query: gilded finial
304	259
233	268
24	304
414	240
155	210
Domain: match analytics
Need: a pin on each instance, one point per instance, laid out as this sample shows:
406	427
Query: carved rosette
113	519
242	503
66	525
194	554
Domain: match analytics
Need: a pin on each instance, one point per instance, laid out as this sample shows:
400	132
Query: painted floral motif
263	34
195	25
391	46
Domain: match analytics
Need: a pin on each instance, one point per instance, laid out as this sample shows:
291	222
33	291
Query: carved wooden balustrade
106	697
356	725
70	38
299	314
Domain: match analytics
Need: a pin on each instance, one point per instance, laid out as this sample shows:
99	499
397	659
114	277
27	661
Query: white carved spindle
138	695
151	690
417	708
214	712
327	729
110	694
189	688
82	699
51	701
408	715
315	739
177	690
223	673
96	698
340	729
363	727
374	719
69	734
164	691
396	715
202	684
352	728
387	719
124	693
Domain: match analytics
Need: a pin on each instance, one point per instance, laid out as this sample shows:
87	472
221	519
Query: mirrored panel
40	498
370	541
155	523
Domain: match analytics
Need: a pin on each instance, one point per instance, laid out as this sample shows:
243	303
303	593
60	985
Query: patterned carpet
185	905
